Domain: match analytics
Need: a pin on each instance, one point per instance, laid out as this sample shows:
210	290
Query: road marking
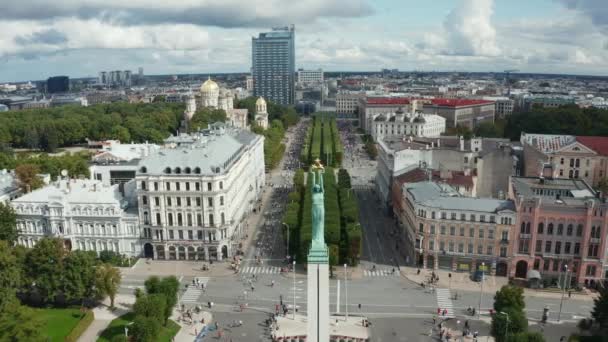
444	301
380	273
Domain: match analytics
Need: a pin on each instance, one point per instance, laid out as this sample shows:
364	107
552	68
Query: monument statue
318	207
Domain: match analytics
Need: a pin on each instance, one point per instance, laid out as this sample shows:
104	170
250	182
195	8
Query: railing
525	236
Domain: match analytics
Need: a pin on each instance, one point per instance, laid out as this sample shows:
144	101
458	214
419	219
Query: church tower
261	116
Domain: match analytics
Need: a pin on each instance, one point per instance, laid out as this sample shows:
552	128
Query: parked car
479	276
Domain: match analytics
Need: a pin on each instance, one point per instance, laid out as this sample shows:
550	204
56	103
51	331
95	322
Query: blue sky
39	38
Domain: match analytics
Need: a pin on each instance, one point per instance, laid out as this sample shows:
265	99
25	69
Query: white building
307	77
116	163
503	105
261	115
86	214
195	194
212	96
348	102
9	187
401	124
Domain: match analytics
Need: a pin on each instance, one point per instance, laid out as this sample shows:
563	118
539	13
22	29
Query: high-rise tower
273	65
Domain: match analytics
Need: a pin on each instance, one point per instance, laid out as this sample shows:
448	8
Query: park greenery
322	142
509	321
369	146
594	329
342	230
51	277
149	321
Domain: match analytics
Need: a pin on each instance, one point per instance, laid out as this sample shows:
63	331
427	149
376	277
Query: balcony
594	240
525	236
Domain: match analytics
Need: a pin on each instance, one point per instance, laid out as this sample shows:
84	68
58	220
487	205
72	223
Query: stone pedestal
318	295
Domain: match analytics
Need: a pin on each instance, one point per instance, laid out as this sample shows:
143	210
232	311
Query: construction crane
507	73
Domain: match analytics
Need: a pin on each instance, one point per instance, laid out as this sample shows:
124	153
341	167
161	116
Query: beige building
457	233
348	102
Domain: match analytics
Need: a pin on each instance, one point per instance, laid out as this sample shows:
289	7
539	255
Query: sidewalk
103	316
191	332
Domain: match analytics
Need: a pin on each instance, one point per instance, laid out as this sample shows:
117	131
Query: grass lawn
117	327
59	322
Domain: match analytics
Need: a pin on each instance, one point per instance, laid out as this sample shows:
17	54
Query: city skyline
81	38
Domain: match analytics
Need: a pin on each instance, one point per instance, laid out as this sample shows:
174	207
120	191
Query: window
470	248
561	172
421	228
452	231
179	201
503	252
188	201
177	186
210	201
198	202
561	161
190	235
569	230
592	252
181	234
433	215
197	186
590	272
539	246
491	234
144	200
558	247
490	250
550	229
209	186
189	220
524	245
577	248
492	219
167	186
443	216
441	246
188	189
211	223
471	232
442	230
461	231
221	185
453	216
480	249
547	246
482	218
431	245
555	265
155	186
143	185
180	221
221	200
570	174
481	233
170	219
560	229
546	266
567	246
463	217
171	236
156	201
472	218
578	162
146	218
199	219
522	230
451	246
169	202
505	235
199	234
461	247
579	230
571	162
158	219
432	230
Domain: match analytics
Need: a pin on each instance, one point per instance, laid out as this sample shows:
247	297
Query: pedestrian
418	272
445	312
252	288
569	293
438	311
466	324
434	320
359	306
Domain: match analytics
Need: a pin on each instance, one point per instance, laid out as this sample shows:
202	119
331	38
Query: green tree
8	224
107	281
10	276
151	306
527	337
600	308
509	305
22	324
121	133
27	174
79	275
168	287
145	329
45	268
509	296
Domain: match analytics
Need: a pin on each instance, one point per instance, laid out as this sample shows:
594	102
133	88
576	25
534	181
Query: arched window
168	170
528	228
579	230
178	170
143	169
550	229
541	228
170	218
187	170
179	219
560	229
523	228
197	170
569	230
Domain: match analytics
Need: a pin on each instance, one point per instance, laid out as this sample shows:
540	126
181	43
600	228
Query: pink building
560	222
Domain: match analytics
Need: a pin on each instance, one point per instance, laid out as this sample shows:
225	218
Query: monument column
318	265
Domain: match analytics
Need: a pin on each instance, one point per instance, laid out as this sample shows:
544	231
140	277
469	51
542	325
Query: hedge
81	326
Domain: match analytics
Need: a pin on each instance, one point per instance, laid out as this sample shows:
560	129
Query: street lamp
506	326
561	302
483	266
294	290
346	292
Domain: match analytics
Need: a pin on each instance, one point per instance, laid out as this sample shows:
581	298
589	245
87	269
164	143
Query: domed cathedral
261	115
211	95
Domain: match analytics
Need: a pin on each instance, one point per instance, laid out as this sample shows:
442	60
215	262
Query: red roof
458	102
598	144
388	100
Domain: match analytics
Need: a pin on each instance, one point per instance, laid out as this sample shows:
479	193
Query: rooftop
547	142
8	182
443	196
124	152
209	152
598	144
450	177
459	102
443	142
74	191
387	101
563	190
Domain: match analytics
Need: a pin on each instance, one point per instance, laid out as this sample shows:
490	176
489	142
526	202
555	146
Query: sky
79	38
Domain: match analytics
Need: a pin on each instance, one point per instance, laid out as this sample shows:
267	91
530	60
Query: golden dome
209	85
260	101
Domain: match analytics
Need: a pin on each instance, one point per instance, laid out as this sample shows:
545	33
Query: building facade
85	214
561	222
273	65
348	102
401	124
9	186
58	84
457	233
195	194
463	112
308	77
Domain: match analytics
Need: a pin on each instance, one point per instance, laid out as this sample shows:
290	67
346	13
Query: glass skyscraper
274	65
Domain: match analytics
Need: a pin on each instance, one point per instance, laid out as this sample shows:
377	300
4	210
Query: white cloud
469	30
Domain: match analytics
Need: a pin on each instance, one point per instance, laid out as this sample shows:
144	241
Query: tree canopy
8	224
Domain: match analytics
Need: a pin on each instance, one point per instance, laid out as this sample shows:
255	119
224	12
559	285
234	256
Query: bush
81	327
145	329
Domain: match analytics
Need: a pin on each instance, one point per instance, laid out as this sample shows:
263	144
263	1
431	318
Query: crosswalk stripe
444	301
380	273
